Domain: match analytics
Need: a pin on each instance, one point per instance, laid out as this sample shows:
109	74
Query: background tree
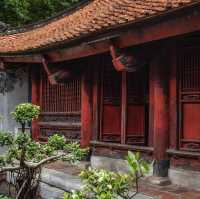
21	12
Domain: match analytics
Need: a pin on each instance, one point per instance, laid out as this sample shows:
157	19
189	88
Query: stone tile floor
154	191
169	192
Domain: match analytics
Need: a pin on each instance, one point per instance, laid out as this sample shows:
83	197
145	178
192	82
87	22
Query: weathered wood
171	25
86	108
160	127
124	108
122	146
160	101
173	120
35	97
96	103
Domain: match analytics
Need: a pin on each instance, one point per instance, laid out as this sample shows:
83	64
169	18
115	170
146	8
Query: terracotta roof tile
95	16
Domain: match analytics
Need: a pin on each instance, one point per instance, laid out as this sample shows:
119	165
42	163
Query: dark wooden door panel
189	98
191	121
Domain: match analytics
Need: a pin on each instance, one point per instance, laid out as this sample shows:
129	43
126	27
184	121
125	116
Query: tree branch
35	165
5	169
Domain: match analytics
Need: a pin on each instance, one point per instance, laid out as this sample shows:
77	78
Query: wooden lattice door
60	108
114	106
111	107
189	99
136	107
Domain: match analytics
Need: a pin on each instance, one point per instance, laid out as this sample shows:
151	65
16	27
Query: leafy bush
76	151
5	138
102	184
26	112
57	142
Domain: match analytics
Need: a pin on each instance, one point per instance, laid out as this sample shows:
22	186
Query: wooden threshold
122	146
185	154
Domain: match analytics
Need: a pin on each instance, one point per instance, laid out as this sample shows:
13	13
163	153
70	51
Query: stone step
55	183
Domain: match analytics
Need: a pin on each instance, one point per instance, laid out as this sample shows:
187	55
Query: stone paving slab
55	183
65	181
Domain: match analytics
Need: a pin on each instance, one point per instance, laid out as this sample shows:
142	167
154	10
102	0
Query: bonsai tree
25	113
102	184
26	157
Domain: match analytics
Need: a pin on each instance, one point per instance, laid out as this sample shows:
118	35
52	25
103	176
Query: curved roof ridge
93	17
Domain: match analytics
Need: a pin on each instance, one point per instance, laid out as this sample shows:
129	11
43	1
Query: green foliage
101	184
137	165
20	12
22	139
4	197
2	161
26	112
76	153
5	138
74	195
35	152
13	154
57	142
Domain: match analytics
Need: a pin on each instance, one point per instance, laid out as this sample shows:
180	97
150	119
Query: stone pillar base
161	167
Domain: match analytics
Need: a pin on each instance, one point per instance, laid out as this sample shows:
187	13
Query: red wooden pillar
160	126
35	97
86	108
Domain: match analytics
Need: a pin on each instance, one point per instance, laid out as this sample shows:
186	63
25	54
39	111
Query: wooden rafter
48	72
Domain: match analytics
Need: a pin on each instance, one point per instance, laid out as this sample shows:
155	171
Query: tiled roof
91	18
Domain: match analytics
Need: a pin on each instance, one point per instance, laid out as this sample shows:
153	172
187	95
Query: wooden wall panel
111	120
191	121
111	107
189	98
136	120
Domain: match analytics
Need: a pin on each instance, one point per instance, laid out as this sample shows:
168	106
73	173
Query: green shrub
5	138
102	184
26	112
57	141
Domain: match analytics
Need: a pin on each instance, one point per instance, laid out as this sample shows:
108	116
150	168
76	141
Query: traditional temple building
118	75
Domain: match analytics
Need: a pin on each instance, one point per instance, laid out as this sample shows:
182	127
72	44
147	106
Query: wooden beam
23	58
86	108
140	33
96	100
35	97
159	99
173	97
124	108
144	31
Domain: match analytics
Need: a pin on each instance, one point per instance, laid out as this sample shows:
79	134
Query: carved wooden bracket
48	72
59	76
123	61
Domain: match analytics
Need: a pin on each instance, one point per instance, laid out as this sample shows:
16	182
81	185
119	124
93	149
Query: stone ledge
185	178
60	180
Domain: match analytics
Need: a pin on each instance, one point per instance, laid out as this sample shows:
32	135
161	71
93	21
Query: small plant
25	113
5	138
57	142
102	184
